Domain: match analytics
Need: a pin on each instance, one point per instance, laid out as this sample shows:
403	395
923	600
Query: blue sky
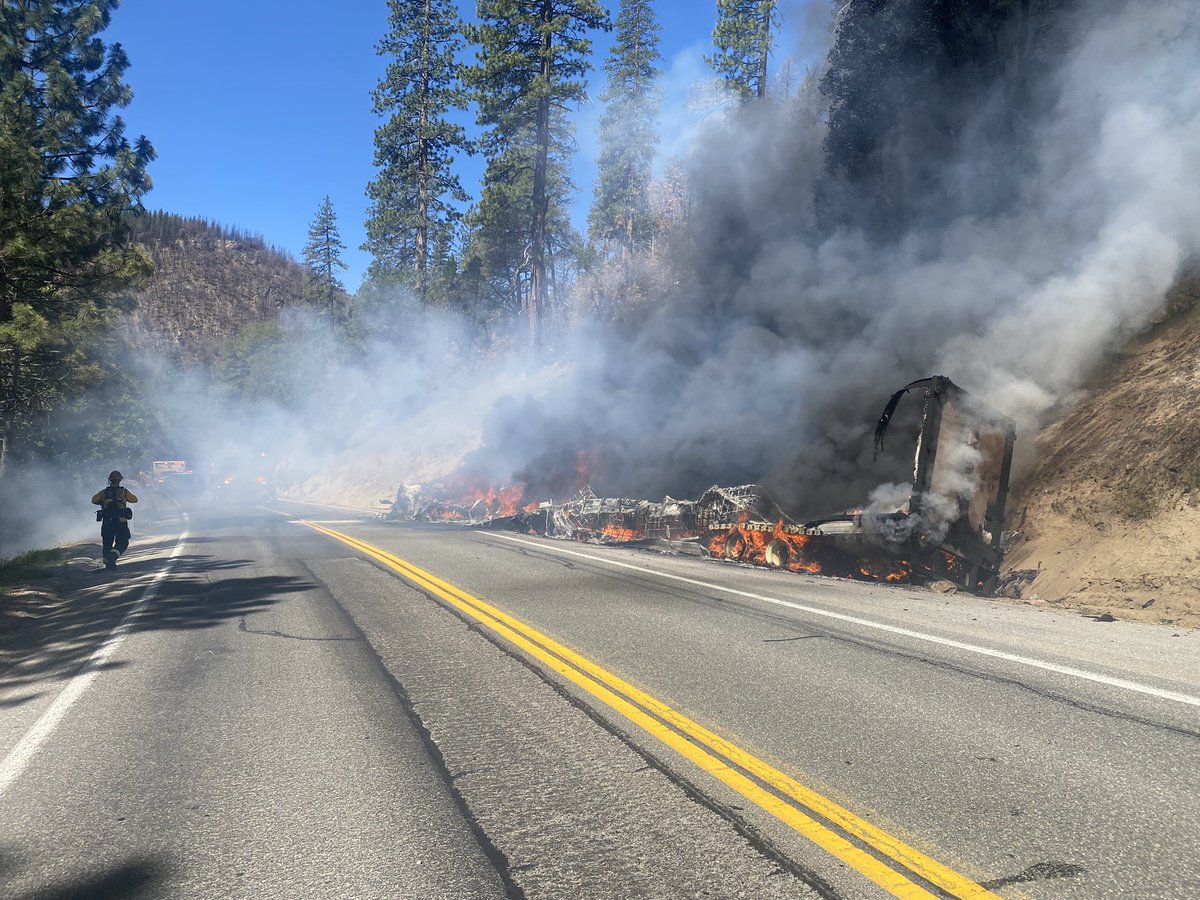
259	108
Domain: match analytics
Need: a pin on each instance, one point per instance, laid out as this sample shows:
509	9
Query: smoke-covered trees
322	259
903	80
620	214
532	57
415	196
68	179
743	37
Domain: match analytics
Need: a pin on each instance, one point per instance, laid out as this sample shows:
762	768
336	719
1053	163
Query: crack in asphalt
246	629
496	856
1043	871
692	791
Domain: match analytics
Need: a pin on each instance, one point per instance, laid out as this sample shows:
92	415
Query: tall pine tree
322	259
69	178
68	174
620	214
414	196
743	37
908	82
532	56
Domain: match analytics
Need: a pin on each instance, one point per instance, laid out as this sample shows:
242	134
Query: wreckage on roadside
948	527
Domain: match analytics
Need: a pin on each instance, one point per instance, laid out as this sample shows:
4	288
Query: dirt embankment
1109	514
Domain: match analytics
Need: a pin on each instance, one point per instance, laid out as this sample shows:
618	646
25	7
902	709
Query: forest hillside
209	282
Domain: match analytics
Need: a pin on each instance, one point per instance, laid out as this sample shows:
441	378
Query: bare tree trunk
765	46
421	254
537	252
8	403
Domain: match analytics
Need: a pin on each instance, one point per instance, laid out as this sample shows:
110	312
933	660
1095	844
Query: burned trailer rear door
960	485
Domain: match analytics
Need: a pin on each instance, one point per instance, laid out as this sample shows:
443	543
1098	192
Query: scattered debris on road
945	527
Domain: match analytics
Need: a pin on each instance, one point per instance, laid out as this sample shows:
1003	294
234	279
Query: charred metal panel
960	483
949	526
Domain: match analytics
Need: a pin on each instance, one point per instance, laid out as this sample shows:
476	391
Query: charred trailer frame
970	551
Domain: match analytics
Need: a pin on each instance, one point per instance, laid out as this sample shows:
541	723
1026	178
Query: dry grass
28	566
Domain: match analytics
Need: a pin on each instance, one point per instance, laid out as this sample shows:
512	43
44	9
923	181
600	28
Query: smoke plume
795	301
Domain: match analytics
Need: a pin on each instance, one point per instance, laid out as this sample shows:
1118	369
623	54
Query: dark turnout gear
114	518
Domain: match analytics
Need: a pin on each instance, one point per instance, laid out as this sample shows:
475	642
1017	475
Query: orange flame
776	548
463	499
899	575
613	533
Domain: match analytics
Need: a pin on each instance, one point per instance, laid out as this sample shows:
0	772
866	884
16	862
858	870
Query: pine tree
743	37
322	259
620	213
414	196
532	57
68	175
902	78
69	178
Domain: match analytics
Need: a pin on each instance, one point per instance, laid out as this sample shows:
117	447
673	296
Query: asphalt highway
304	702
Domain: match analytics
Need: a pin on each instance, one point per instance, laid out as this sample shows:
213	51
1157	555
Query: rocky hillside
1109	514
209	282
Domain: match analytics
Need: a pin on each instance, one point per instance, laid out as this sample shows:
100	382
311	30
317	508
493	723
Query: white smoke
770	359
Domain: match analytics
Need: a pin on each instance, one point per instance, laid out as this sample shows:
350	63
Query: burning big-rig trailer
949	526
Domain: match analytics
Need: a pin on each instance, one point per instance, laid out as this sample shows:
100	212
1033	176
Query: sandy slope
1110	511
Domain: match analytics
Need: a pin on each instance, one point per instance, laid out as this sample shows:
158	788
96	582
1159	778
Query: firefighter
114	516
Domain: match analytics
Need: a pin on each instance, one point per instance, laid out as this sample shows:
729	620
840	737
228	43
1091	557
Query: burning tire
735	547
778	553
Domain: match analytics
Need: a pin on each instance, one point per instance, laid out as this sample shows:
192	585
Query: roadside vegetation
27	567
848	217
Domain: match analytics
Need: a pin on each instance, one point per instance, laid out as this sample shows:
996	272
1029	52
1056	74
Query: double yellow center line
891	867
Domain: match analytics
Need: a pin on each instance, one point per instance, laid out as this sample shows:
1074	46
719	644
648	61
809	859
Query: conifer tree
743	37
902	78
69	179
620	213
68	174
322	259
414	196
532	57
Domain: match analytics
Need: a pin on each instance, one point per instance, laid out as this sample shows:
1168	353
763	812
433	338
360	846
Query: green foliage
415	196
532	56
280	363
743	37
26	567
381	311
69	179
70	398
68	175
530	52
257	365
620	213
902	79
322	259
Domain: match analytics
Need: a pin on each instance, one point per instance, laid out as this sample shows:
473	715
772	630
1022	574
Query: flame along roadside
719	758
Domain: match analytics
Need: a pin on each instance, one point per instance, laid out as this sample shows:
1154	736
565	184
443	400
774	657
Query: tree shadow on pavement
57	637
133	878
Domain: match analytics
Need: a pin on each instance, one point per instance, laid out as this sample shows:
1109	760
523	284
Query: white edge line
22	754
867	623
